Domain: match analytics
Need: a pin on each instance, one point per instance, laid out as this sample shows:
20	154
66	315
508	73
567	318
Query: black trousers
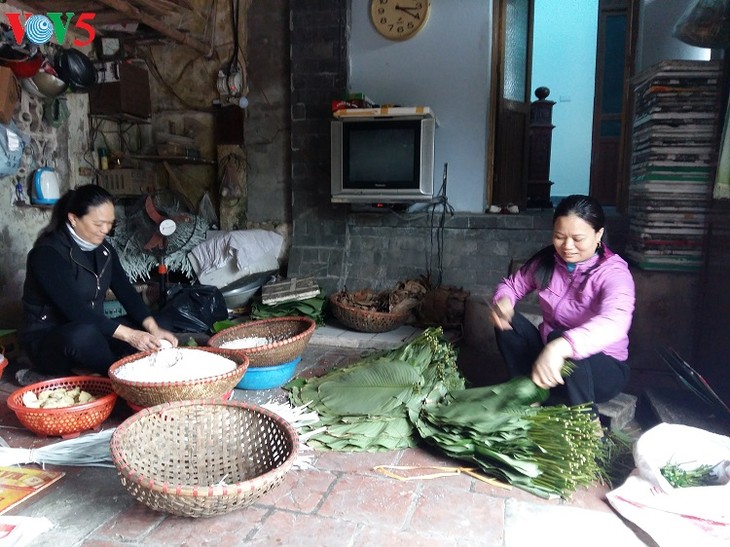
76	346
596	379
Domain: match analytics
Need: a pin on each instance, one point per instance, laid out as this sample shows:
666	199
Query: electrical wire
154	69
440	200
210	21
235	11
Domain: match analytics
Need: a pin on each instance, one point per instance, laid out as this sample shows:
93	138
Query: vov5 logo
40	28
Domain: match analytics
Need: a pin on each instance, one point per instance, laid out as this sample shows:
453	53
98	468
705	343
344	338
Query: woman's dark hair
77	202
585	208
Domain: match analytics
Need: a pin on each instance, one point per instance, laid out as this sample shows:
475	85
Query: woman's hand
501	314
161	334
145	341
546	371
138	339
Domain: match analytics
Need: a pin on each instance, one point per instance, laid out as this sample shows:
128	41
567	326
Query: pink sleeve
516	286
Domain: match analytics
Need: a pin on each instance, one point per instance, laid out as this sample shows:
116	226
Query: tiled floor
342	501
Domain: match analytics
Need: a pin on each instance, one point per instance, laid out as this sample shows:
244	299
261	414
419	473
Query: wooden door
512	59
612	103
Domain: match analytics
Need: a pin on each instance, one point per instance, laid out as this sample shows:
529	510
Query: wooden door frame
631	8
632	34
497	83
495	91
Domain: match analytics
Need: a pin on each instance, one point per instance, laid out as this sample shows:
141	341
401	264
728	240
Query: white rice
246	343
175	365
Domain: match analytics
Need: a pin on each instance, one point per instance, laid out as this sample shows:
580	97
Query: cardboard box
129	94
9	94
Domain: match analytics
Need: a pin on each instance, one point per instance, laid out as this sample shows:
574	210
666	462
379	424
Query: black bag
192	308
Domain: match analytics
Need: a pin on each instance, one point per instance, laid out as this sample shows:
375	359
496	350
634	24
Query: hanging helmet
45	83
23	67
49	85
30	86
76	69
23	59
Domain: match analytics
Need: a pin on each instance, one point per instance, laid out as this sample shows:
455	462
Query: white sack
677	516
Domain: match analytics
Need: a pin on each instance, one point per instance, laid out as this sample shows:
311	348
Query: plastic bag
678	517
706	23
192	308
12	144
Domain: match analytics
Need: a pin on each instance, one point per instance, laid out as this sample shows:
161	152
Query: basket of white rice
267	342
177	374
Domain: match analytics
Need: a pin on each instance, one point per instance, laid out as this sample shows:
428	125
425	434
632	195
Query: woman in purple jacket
586	295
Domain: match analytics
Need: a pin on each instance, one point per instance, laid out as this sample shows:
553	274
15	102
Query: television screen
381	155
382	159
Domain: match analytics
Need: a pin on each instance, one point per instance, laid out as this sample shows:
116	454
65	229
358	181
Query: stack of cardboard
672	163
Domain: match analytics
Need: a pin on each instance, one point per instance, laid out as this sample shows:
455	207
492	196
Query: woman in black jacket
69	270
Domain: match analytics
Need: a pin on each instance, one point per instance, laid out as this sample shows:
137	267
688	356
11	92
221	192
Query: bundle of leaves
309	307
549	451
394	399
366	406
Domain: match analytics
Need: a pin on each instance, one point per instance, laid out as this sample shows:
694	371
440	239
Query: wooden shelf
177	160
121	118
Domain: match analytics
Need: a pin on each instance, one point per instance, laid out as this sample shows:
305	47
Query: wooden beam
155	8
184	4
171	5
136	14
109	17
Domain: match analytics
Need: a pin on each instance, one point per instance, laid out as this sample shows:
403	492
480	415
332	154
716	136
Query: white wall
446	67
565	62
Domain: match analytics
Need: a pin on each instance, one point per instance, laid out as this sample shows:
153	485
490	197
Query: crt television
382	159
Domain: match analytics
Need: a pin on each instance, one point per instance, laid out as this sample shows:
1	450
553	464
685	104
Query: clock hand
409	10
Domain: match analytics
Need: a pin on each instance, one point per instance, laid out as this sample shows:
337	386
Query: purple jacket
594	304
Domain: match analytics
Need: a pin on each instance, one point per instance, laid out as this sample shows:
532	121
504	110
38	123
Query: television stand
379	207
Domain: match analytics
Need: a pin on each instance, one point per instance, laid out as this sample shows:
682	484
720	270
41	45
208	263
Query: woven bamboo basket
365	320
203	458
68	421
144	394
287	336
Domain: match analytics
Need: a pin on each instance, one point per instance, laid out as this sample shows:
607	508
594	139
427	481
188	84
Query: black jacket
65	284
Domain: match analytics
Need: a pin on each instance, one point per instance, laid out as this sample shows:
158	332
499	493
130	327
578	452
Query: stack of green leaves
365	406
310	307
549	451
393	399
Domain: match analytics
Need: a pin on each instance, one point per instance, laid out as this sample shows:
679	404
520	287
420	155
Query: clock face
399	19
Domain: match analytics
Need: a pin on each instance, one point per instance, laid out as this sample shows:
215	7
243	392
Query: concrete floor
342	501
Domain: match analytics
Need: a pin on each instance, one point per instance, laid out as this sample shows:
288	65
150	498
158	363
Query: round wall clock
399	19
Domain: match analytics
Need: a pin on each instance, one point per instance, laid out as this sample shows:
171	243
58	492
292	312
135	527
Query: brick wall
318	56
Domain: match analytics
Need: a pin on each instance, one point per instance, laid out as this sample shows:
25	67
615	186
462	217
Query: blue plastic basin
268	377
